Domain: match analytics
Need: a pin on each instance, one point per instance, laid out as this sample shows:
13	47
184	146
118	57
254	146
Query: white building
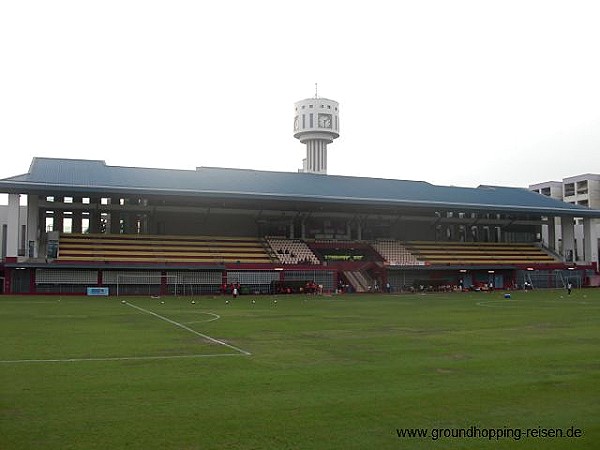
20	234
583	190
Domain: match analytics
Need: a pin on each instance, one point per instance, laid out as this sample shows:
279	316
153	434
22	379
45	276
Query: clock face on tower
296	123
324	120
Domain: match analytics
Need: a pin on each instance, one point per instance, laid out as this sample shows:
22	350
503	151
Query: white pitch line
180	325
215	317
115	358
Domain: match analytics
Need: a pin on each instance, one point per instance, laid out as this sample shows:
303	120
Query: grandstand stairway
359	281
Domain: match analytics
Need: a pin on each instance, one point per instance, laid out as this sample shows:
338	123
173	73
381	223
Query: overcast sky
451	92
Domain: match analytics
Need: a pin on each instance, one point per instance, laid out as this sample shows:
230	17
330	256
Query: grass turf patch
325	372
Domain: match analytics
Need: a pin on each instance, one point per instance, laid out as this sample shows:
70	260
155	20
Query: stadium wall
178	282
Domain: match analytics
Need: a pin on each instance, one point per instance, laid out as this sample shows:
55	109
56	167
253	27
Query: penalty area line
180	325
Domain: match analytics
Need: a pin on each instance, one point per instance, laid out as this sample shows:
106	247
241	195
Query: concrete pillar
590	240
58	215
33	226
151	222
77	216
115	222
568	238
558	231
58	221
143	224
112	217
131	223
551	234
12	232
124	222
77	221
94	215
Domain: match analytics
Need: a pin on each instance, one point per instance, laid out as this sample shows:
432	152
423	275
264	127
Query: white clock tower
316	124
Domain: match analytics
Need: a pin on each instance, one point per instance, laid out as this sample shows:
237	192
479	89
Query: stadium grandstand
137	230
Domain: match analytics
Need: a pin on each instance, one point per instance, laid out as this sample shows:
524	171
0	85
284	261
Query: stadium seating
160	249
475	253
292	251
395	253
219	249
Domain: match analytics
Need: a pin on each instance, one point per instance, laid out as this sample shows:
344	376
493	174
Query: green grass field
341	372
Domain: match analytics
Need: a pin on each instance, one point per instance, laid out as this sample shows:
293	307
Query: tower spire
316	91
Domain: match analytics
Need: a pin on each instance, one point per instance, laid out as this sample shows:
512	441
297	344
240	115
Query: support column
590	240
131	224
143	224
77	226
94	215
115	216
12	232
151	222
33	227
551	234
568	238
58	215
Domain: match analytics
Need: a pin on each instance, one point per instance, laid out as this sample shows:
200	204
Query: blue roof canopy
53	175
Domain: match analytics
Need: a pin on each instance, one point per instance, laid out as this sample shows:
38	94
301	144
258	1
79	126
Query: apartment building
582	190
